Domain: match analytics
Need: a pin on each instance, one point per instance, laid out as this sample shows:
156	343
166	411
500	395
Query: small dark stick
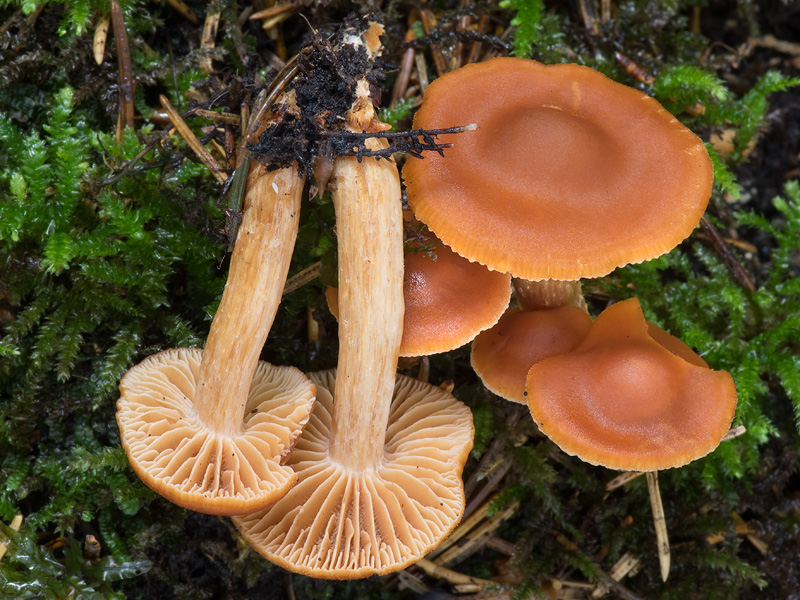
728	257
349	143
125	69
633	69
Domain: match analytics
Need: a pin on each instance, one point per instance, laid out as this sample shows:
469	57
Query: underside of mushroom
342	523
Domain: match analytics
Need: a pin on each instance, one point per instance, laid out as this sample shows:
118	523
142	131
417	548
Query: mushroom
380	463
552	320
209	429
448	299
626	399
568	174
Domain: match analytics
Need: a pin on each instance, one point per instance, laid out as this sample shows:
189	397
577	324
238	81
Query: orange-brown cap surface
568	174
622	400
448	300
176	455
503	355
342	524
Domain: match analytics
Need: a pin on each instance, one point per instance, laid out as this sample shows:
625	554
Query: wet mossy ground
104	260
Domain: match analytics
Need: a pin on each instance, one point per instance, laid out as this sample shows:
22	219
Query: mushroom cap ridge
568	174
340	524
624	401
176	456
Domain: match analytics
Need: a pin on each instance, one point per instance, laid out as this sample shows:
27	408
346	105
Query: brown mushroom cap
342	524
624	401
448	301
568	174
503	355
177	456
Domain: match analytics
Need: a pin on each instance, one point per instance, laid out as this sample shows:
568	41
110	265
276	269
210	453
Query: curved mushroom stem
369	229
259	265
548	293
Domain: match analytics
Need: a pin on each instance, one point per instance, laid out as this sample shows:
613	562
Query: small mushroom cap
448	300
568	174
176	456
342	524
624	401
503	355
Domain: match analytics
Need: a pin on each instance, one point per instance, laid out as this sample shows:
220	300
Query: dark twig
349	143
727	255
125	69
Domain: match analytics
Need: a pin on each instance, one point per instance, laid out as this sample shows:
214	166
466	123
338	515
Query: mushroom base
342	524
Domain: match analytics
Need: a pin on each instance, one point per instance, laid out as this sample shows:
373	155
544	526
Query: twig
422	71
300	279
622	479
605	11
429	24
740	244
125	70
453	577
626	565
218	117
660	522
462	25
586	9
100	38
773	43
184	9
404	75
132	162
475	50
488	488
466	525
273	11
15	524
500	545
191	139
477	537
728	257
424	372
615	585
734	432
207	41
412	582
633	69
348	143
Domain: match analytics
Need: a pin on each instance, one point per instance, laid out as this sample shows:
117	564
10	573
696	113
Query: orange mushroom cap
568	174
624	401
503	355
448	301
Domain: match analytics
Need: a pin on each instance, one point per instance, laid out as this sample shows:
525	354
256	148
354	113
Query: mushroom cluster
380	465
567	175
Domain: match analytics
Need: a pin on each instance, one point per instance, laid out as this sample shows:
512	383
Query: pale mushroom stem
548	293
259	265
369	230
